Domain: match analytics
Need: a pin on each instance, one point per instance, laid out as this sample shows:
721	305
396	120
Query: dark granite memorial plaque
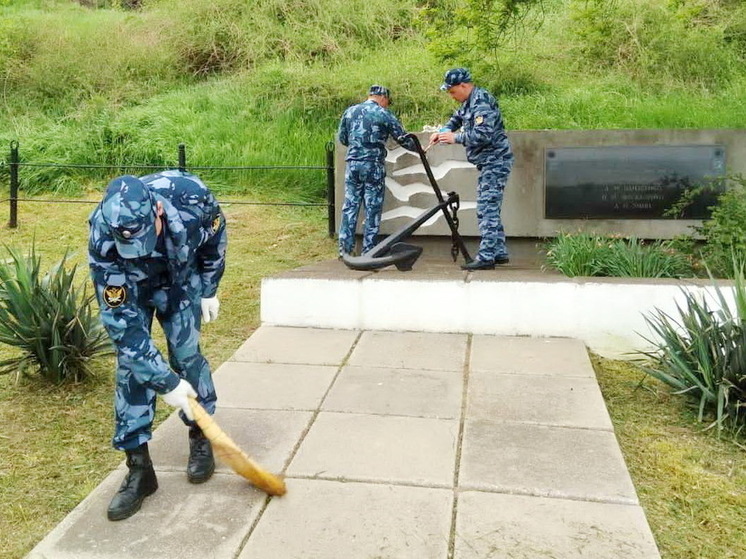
629	182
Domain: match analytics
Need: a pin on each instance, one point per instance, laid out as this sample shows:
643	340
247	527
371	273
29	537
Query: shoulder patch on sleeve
479	120
115	295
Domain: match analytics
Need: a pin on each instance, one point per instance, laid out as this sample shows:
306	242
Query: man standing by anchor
487	147
364	129
157	249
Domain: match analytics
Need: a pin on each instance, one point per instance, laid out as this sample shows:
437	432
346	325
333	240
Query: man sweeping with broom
157	248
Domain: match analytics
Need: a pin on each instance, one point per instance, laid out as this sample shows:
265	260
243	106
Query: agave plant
50	320
702	353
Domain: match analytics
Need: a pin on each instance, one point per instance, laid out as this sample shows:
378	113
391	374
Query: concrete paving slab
223	509
311	346
331	520
562	401
408	392
378	448
544	461
373	472
279	386
267	436
410	350
524	355
491	526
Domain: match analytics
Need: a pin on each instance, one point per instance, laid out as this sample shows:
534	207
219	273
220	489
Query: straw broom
228	452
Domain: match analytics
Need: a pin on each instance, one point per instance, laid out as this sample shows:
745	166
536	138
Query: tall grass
223	35
659	41
54	59
265	82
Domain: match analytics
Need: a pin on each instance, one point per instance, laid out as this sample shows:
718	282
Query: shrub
725	232
49	319
702	354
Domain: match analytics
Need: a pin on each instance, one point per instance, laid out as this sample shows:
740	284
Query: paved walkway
394	445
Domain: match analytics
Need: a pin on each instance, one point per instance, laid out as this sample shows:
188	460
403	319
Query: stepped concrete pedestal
522	298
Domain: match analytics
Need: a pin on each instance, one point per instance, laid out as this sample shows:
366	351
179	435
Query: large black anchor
392	251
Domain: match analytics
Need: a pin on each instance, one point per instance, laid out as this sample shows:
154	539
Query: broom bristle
231	454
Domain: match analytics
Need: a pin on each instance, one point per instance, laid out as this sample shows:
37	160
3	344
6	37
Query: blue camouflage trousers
490	188
364	182
134	405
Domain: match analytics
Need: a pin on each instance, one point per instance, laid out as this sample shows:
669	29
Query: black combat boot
201	461
138	484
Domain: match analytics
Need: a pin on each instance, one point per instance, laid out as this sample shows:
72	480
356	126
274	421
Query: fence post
13	223
331	207
182	158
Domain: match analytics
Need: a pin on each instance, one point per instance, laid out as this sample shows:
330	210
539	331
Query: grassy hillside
265	81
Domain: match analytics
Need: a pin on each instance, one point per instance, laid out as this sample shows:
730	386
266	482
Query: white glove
179	398
210	308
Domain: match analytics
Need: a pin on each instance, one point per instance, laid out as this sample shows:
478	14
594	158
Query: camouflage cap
455	77
129	210
379	90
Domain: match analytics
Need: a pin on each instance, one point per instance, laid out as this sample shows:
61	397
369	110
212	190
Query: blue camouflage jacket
366	127
195	243
482	129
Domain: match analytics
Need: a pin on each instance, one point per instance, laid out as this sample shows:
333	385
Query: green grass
691	485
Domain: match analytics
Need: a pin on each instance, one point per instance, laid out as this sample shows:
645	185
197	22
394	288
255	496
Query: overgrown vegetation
49	318
245	83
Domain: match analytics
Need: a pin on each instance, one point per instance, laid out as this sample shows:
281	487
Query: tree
470	30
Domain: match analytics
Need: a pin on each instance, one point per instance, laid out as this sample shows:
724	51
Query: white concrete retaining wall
607	315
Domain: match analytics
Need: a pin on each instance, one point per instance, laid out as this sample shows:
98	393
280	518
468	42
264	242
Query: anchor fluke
401	255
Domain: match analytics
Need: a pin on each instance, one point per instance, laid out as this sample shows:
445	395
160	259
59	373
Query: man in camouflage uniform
483	135
364	129
157	248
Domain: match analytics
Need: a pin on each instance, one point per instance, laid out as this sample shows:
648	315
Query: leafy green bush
584	254
725	232
49	319
702	353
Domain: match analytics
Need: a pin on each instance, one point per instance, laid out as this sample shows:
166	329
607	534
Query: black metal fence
15	164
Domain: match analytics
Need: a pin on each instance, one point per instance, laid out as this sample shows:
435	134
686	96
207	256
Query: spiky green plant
586	254
48	318
635	259
702	353
576	254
